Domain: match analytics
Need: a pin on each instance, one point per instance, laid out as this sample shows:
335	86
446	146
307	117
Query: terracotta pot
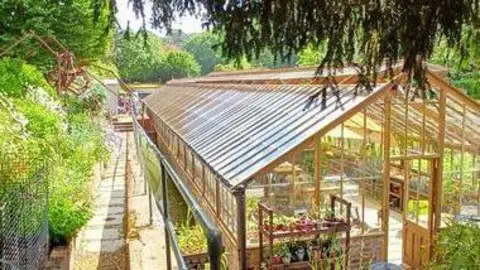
276	259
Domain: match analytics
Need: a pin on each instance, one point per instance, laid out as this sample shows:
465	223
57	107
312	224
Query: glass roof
240	129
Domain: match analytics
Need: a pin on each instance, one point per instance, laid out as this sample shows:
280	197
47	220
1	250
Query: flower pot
276	260
287	258
300	254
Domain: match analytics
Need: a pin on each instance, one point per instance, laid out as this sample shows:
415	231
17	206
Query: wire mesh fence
23	212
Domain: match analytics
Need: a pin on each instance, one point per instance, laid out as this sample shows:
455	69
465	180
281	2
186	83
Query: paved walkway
146	241
101	243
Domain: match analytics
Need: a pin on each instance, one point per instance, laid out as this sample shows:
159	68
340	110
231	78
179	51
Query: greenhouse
290	161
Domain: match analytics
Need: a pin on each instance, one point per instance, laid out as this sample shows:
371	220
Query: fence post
150	206
2	208
165	216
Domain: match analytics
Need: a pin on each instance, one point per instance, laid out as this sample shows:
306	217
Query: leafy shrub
69	145
70	189
41	122
190	236
16	76
458	247
181	64
70	203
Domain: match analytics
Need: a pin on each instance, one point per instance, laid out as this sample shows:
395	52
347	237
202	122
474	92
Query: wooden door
415	245
419	197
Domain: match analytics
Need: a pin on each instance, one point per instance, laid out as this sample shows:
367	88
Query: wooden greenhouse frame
216	130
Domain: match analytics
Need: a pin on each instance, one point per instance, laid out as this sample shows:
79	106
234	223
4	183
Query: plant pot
300	254
287	259
276	260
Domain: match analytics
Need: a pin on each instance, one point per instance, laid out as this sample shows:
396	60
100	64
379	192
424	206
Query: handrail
213	234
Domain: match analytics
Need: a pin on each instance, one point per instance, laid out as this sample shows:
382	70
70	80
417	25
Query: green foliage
374	31
201	46
310	56
464	62
469	81
72	22
91	101
136	60
69	203
34	126
16	77
458	247
70	188
234	65
181	64
41	121
191	238
269	60
152	61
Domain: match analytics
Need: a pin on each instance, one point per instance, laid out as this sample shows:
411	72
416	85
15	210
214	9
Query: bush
16	77
181	64
34	125
70	188
458	247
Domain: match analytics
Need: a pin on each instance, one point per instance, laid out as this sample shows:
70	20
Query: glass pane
418	193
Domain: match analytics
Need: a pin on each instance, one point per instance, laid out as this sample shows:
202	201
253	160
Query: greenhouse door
420	181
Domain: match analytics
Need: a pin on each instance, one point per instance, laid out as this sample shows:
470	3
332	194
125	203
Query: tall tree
372	30
151	60
83	26
202	46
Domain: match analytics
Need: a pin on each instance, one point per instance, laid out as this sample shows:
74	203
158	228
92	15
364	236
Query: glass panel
198	172
181	153
418	193
210	192
189	165
470	192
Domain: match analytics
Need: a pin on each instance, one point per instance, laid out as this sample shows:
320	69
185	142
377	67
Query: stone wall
365	250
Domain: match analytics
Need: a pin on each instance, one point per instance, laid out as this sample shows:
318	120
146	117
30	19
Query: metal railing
157	186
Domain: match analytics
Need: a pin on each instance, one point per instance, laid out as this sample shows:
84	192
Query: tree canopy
83	26
370	32
152	61
202	47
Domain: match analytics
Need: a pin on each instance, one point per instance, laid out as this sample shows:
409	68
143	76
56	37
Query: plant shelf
267	235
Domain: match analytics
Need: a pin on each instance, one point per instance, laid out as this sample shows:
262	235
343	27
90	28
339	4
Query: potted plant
276	256
334	249
300	253
286	254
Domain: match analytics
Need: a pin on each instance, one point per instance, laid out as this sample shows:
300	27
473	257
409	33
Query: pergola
285	139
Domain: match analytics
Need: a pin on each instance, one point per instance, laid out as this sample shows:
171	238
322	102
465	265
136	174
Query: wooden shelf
285	234
267	234
293	265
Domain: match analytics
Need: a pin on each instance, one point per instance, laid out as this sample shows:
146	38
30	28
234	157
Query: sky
187	24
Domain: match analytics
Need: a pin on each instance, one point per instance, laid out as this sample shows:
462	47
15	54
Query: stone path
146	241
101	243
